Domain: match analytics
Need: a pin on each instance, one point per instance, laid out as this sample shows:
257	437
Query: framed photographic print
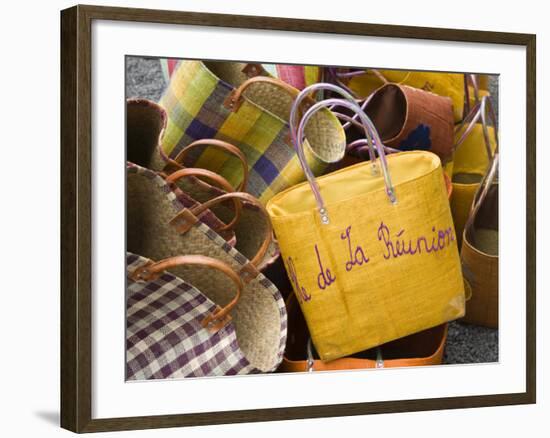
305	216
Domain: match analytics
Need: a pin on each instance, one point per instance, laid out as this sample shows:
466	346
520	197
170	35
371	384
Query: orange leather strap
235	98
177	162
256	260
152	270
352	363
219	180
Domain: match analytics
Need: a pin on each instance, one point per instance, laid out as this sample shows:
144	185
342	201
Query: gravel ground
465	343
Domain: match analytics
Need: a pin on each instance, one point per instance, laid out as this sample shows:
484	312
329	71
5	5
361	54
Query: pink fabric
171	65
293	75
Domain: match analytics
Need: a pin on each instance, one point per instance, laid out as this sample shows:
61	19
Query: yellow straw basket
370	249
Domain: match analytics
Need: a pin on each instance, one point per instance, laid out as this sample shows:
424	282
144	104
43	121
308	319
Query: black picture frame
76	177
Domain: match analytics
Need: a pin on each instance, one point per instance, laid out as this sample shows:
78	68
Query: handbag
423	348
175	329
145	125
219	100
364	82
479	252
370	249
159	227
408	118
476	143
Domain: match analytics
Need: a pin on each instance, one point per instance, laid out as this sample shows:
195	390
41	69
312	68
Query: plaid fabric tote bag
175	330
370	249
219	100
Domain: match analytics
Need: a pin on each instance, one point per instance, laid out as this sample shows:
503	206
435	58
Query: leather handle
235	98
256	260
219	180
177	162
152	270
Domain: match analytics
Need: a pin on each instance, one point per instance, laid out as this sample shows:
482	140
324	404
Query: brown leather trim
183	221
142	273
218	180
178	162
232	101
235	99
257	259
248	273
150	271
214	325
253	69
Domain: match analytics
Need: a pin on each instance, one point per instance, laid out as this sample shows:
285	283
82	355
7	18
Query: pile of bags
299	218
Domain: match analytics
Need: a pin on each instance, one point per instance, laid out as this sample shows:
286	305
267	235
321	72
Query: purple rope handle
483	190
480	111
353	119
468	77
358	147
370	131
335	76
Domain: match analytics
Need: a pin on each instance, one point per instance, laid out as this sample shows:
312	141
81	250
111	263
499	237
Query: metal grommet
324	216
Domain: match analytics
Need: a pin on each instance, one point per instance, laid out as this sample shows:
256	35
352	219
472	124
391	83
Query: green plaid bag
221	100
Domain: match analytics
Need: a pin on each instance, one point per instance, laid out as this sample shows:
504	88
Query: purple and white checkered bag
165	334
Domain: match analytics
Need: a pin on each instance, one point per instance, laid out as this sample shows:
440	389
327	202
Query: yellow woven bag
474	148
444	84
370	249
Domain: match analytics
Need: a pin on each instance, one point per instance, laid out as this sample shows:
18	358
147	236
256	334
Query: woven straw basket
249	225
475	145
408	118
479	254
220	100
175	330
158	226
449	85
145	124
357	286
246	224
